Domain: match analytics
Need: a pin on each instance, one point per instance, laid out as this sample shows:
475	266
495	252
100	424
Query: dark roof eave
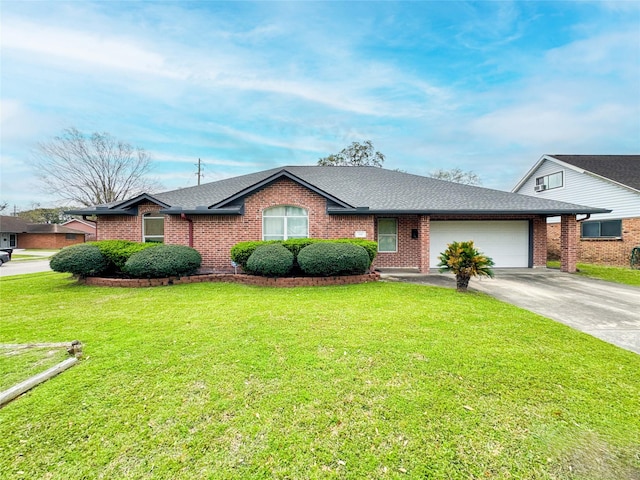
239	210
550	213
103	211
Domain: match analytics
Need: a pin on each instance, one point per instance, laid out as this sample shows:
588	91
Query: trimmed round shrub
271	260
294	245
241	252
119	251
369	245
328	259
163	261
83	259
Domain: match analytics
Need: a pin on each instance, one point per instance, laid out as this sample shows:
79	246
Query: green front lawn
623	275
17	365
382	380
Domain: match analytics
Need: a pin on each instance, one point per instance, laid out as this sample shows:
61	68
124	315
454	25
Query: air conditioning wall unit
540	188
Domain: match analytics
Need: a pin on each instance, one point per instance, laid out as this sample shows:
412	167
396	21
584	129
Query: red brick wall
214	235
424	230
539	242
124	227
568	243
47	240
599	251
408	254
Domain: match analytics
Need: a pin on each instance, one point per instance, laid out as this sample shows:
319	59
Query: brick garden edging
232	278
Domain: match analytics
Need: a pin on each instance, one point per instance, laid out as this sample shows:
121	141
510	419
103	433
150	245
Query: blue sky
246	86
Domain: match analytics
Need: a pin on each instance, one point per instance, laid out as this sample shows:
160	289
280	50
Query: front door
8	240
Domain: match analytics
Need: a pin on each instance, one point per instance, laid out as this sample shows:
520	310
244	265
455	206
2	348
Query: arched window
153	227
284	222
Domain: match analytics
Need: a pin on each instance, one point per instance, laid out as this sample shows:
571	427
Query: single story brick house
411	217
16	233
610	181
86	226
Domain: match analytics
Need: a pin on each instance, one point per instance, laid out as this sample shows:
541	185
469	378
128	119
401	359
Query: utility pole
200	174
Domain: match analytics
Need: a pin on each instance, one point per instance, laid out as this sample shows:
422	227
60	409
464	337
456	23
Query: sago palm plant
465	261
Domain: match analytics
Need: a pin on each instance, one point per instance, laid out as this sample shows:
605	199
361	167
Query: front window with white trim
284	222
153	228
387	235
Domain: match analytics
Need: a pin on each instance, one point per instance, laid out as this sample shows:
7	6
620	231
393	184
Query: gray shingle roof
375	189
12	224
17	225
624	169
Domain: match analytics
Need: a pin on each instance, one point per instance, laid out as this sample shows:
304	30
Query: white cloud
53	44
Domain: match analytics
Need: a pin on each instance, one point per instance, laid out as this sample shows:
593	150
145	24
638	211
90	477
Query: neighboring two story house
410	216
607	181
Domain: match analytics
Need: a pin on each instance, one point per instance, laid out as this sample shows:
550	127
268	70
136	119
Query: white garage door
506	242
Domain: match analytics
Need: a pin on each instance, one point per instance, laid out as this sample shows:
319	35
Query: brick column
568	243
539	242
424	222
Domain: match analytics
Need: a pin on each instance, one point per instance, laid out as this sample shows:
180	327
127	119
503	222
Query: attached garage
507	242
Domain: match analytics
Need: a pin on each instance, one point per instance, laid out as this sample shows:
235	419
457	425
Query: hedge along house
411	217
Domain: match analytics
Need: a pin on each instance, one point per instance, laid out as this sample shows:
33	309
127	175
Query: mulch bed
232	278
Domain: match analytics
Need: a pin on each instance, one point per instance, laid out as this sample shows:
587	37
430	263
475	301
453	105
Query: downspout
184	217
585	218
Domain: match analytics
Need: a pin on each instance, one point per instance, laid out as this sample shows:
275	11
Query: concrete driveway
608	311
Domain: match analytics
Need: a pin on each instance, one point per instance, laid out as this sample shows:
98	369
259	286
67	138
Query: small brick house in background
411	217
16	233
86	226
609	181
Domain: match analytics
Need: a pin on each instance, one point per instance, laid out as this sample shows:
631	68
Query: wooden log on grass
16	346
19	389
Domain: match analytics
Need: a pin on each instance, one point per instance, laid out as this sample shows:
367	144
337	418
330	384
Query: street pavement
18	267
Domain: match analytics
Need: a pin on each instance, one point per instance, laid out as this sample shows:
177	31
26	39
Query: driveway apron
608	311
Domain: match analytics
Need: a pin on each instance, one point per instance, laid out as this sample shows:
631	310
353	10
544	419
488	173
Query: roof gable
621	169
120	207
277	176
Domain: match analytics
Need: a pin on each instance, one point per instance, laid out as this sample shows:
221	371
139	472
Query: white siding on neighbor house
585	189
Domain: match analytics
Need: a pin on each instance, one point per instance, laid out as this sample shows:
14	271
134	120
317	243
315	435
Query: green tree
465	261
456	175
355	155
45	215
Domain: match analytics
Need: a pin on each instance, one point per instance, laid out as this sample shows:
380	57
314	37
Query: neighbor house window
555	180
284	222
387	235
70	236
602	229
153	228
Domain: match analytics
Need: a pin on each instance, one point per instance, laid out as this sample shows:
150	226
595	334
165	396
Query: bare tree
92	170
3	205
357	155
456	175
